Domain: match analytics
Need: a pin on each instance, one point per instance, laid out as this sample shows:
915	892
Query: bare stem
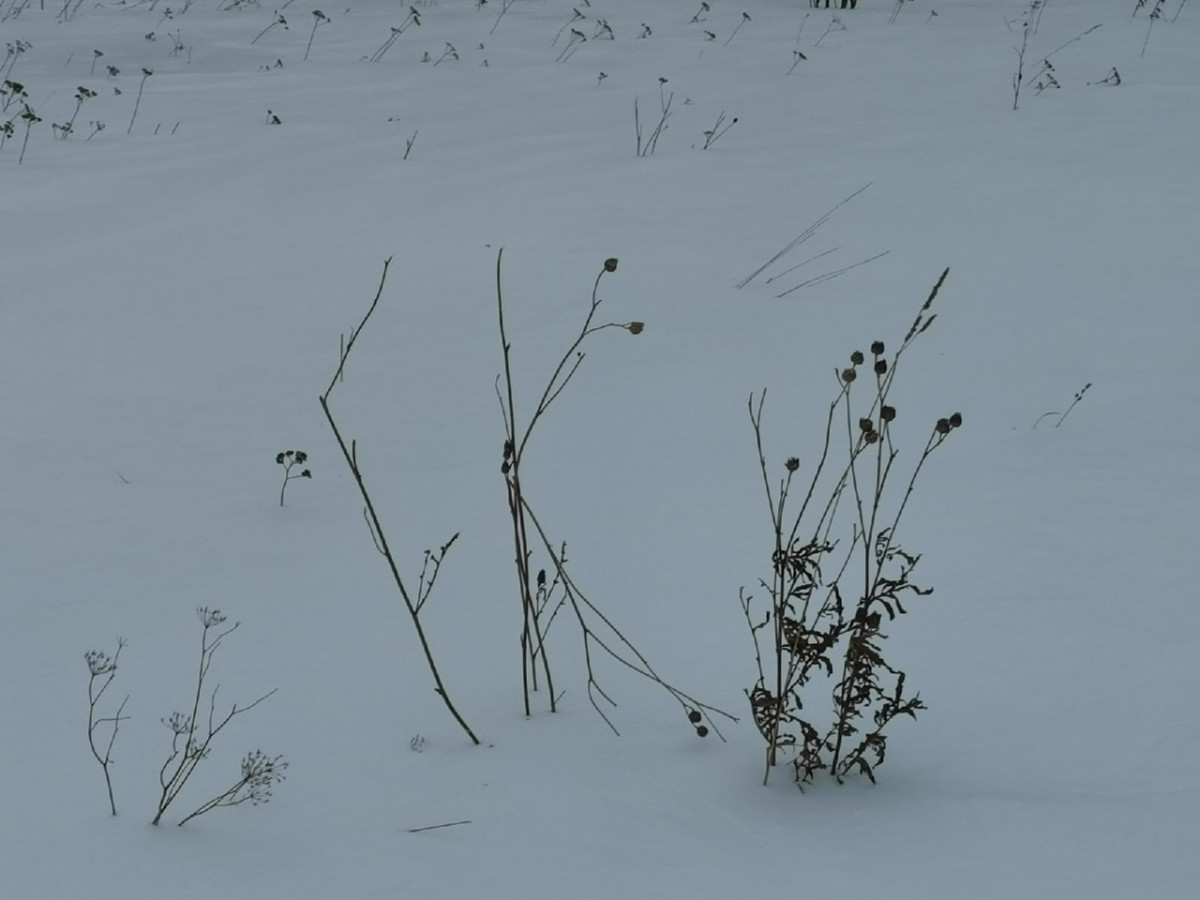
350	454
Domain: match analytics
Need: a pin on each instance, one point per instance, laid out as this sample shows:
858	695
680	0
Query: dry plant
290	459
838	575
103	669
1063	415
413	601
647	146
541	598
192	734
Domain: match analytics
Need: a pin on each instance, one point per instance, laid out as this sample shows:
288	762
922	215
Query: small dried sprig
448	53
146	73
744	20
576	16
102	669
30	118
290	459
413	18
319	19
1061	416
260	773
715	133
278	22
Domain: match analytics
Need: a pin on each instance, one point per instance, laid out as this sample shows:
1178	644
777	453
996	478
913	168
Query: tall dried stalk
412	602
599	634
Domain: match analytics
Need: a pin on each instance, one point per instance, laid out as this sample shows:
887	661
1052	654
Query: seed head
880	366
956	420
636	327
848	375
871	437
887	413
694	716
702	730
792	464
877	348
856	357
943	426
866	425
610	264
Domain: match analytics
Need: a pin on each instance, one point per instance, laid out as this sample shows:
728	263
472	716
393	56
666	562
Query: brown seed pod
866	425
610	264
956	420
856	357
871	437
848	375
792	464
877	348
887	413
702	730
694	716
636	327
880	366
943	426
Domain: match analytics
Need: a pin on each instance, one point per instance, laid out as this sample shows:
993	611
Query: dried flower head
881	367
848	375
943	426
866	425
877	348
887	413
610	264
636	327
956	420
792	464
856	357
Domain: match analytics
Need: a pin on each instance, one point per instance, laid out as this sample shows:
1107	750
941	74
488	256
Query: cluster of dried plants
839	576
192	731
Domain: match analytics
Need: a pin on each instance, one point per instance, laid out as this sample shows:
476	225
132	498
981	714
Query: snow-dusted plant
838	576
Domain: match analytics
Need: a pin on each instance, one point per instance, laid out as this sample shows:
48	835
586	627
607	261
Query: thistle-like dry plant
838	576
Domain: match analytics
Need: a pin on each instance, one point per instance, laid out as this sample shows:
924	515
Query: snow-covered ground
172	292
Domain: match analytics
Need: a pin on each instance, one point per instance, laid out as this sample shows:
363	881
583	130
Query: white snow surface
171	302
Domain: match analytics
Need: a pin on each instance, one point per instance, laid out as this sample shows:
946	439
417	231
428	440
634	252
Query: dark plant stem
350	454
146	73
